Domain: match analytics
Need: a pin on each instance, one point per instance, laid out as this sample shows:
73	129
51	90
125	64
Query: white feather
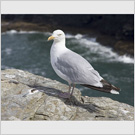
114	92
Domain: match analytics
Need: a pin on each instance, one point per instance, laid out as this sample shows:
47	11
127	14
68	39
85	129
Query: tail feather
107	87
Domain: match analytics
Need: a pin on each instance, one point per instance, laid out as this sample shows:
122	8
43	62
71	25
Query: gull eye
59	34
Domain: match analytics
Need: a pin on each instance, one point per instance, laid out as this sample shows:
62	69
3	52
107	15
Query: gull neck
59	42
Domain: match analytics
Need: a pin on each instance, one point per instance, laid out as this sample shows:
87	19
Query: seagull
74	69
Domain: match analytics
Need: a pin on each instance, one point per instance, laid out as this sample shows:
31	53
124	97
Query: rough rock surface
45	103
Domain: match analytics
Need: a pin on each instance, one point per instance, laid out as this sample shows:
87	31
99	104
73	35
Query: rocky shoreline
45	103
116	31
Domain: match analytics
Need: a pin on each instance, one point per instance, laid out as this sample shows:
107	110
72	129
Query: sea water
30	51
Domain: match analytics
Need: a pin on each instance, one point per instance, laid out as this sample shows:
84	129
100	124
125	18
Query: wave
24	32
102	53
125	59
77	36
18	32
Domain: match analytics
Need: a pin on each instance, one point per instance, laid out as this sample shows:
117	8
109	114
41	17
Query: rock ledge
45	104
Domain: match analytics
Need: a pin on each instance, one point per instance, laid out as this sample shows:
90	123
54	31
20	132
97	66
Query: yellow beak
51	38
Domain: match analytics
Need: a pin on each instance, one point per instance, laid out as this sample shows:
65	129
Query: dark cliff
116	31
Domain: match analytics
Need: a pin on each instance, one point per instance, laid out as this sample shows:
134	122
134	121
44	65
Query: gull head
58	35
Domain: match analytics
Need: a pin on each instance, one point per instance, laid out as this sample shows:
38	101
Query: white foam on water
103	52
47	33
77	36
69	36
19	32
126	59
11	32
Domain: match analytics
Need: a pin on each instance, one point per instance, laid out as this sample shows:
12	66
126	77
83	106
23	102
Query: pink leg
72	90
65	94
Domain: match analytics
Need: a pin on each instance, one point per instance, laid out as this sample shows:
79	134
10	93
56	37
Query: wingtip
114	92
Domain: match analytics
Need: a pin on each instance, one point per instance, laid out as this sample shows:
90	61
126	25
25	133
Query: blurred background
106	41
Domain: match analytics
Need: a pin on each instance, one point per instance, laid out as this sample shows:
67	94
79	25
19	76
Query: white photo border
67	127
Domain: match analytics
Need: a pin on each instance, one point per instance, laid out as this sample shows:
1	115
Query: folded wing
79	71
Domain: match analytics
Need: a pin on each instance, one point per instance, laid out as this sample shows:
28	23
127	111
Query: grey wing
77	69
